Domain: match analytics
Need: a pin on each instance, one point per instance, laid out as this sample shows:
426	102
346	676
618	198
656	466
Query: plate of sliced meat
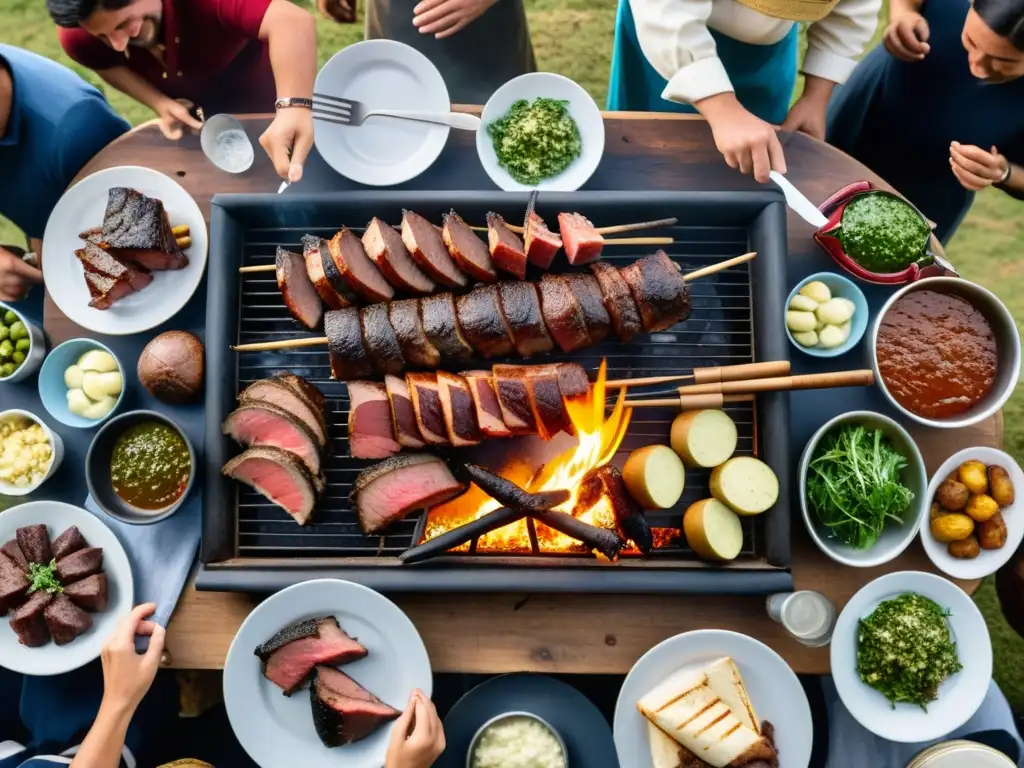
124	250
319	672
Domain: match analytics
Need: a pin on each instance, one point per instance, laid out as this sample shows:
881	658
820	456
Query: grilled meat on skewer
514	400
582	242
588	293
371	432
326	279
426	404
485	402
279	476
521	306
541	243
136	227
483	323
507	250
387	492
468	251
403	416
357	269
297	290
380	339
459	411
618	300
349	359
659	290
441	326
407	323
546	401
428	250
385	248
562	313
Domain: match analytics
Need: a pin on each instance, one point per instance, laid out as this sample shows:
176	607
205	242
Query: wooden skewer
690	402
713	268
858	378
618	229
712	374
257	268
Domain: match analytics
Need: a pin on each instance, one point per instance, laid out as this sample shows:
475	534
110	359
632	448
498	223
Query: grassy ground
574	37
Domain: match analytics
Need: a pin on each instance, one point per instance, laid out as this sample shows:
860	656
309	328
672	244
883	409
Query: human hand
288	141
975	168
808	114
173	117
747	142
444	18
907	35
127	675
418	736
16	276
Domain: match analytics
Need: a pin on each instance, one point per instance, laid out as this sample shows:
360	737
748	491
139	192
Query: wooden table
551	633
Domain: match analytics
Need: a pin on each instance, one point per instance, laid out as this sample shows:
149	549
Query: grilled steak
104	291
485	401
95	259
380	339
260	424
572	379
357	269
70	541
507	251
459	411
297	289
540	242
78	565
483	323
13	586
387	492
13	553
279	476
65	620
403	417
428	250
658	288
90	593
618	301
384	246
442	328
343	711
289	657
588	294
276	392
582	242
331	289
408	326
426	404
309	392
520	305
92	235
136	227
34	542
562	313
371	434
546	402
514	400
349	359
468	251
28	623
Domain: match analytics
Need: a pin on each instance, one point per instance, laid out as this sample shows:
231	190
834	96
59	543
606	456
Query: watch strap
288	102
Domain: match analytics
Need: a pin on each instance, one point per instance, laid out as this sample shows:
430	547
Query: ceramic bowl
841	288
471	763
56	455
36	350
53	391
895	537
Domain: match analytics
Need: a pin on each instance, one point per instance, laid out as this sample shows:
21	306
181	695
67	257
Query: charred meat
659	291
380	339
408	326
343	711
371	432
426	405
562	313
483	323
468	251
95	259
13	586
403	416
78	565
349	359
385	248
12	552
521	306
356	268
28	622
290	656
618	300
278	393
595	316
69	541
90	593
514	400
387	492
279	476
485	402
65	620
297	290
441	327
331	289
260	424
458	409
507	250
428	250
34	542
136	227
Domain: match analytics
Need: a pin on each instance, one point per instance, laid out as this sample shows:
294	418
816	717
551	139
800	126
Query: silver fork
331	109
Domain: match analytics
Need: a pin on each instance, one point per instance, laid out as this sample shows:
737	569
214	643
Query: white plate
774	691
52	659
584	111
960	695
277	730
81	208
382	74
990	560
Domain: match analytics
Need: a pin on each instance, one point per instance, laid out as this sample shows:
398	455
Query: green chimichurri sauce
904	650
536	141
150	466
882	233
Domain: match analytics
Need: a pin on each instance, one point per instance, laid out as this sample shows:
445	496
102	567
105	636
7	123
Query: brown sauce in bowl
936	353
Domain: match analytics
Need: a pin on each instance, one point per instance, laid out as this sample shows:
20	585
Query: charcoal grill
251	545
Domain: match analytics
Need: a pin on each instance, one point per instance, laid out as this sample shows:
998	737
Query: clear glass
808	616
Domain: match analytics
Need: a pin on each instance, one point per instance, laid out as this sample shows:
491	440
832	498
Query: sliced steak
582	242
318	263
279	476
260	424
290	656
514	400
426	404
507	251
104	292
95	259
356	268
540	242
13	553
78	565
618	301
90	593
13	586
343	711
136	227
34	542
349	359
521	306
483	323
588	293
276	392
65	620
408	326
428	250
485	401
442	328
658	288
467	250
28	622
562	313
69	541
546	402
459	411
387	492
403	416
572	379
380	339
385	248
297	290
313	396
371	434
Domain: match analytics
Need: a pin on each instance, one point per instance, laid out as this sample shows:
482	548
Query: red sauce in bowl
936	354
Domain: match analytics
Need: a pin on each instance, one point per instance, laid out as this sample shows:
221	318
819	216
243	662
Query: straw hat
186	763
793	10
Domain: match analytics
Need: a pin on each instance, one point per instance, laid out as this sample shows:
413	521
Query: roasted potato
973	475
965	549
937	510
953	495
992	533
1000	486
952	527
981	507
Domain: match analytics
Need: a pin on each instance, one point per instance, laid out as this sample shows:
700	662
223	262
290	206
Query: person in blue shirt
51	124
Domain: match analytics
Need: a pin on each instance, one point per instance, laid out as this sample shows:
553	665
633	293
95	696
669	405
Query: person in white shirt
735	62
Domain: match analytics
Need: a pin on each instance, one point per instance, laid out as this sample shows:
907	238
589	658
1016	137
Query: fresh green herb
883	233
44	577
853	484
536	141
904	650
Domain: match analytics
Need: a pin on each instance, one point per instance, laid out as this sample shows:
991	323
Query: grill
251	544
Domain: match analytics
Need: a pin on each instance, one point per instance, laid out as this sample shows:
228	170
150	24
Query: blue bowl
841	288
54	392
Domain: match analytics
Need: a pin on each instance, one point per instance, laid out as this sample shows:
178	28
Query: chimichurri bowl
99	470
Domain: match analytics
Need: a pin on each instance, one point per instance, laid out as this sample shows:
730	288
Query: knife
796	200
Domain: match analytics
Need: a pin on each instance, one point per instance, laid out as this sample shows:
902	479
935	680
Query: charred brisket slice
459	411
104	291
428	250
659	291
90	593
28	622
385	248
136	226
572	379
408	326
92	235
343	711
13	586
380	339
426	405
13	553
482	322
349	359
588	294
562	313
357	269
69	541
256	424
468	251
65	620
521	306
34	542
540	242
290	656
442	328
297	290
582	242
323	274
403	416
95	259
309	392
276	392
485	401
618	301
78	565
371	433
507	251
279	476
514	400
387	492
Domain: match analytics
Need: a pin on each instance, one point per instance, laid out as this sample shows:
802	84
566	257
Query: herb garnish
883	233
536	141
43	577
853	484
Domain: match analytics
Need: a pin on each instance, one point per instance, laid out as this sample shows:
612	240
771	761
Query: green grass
574	37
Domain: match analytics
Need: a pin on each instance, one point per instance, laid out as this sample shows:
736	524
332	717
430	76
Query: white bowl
36	349
990	560
56	456
894	538
959	695
584	111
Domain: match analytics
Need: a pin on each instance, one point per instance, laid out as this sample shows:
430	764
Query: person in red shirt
221	55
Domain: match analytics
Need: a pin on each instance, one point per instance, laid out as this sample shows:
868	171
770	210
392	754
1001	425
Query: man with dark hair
218	55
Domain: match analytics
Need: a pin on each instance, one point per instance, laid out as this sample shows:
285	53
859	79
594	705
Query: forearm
897	7
130	84
105	741
290	33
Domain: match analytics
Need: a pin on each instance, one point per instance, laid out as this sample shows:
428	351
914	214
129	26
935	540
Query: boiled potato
992	533
1000	486
100	408
799	322
952	527
845	328
78	402
965	549
712	530
835	311
704	438
806	338
747	485
973	474
831	336
803	303
816	290
981	507
101	385
937	510
97	360
73	377
953	495
654	476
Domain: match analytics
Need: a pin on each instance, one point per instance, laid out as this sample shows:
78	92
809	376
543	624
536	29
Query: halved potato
712	530
654	476
746	484
704	438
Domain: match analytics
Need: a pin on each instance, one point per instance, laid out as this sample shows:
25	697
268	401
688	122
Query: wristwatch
293	102
1006	176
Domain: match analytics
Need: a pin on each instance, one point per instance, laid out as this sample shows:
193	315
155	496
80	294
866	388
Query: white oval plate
383	151
774	691
584	111
81	208
990	560
52	659
960	695
277	730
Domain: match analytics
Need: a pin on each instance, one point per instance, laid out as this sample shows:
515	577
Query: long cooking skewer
749	387
711	374
615	230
